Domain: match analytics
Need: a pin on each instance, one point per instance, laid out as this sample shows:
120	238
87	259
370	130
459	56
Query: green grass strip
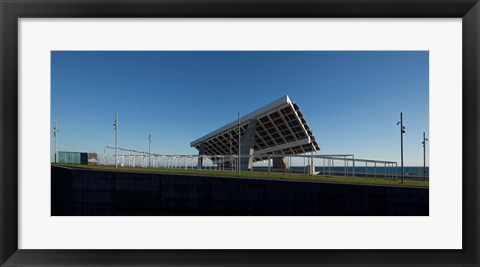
262	175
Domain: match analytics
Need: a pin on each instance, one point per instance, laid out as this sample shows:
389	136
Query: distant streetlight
402	131
149	143
424	168
115	124
239	155
231	153
312	168
55	131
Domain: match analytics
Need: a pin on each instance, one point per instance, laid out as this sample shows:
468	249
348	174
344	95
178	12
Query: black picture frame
12	10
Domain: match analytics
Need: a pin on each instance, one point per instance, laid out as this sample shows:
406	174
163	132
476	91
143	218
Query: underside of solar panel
277	128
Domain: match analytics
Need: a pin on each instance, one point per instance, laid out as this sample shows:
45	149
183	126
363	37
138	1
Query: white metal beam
282	146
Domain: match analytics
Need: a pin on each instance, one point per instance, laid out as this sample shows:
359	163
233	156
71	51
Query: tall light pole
239	155
312	168
55	131
231	153
116	139
424	168
402	131
149	143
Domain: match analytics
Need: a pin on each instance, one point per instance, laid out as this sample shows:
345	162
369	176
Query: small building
69	157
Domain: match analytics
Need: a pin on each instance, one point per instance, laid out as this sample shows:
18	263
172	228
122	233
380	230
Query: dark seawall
96	192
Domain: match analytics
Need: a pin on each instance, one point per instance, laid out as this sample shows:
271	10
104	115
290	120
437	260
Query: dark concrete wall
90	192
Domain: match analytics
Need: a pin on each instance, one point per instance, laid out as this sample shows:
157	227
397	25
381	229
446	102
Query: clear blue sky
351	100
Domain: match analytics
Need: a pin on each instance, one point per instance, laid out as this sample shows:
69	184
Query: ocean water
408	170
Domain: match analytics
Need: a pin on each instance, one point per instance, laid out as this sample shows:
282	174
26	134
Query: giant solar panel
280	129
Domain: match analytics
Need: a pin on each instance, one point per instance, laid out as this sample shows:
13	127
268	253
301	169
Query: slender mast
149	143
312	168
116	140
239	155
401	142
424	165
55	131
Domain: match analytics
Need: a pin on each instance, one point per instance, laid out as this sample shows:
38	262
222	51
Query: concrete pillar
247	143
200	159
280	163
311	169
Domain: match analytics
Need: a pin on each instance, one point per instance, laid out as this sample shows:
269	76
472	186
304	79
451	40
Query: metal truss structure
276	128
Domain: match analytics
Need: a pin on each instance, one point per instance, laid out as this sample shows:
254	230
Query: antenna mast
55	131
149	143
116	139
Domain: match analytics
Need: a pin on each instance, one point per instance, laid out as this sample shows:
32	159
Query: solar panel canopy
275	129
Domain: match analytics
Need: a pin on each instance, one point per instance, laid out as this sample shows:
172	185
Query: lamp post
312	168
231	153
115	124
402	131
424	168
239	155
149	143
55	131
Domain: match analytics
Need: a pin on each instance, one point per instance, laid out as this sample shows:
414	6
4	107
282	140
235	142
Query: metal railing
345	165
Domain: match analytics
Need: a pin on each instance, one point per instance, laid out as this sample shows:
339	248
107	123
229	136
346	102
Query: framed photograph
239	133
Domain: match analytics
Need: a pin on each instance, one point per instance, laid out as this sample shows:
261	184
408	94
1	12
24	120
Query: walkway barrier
345	165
